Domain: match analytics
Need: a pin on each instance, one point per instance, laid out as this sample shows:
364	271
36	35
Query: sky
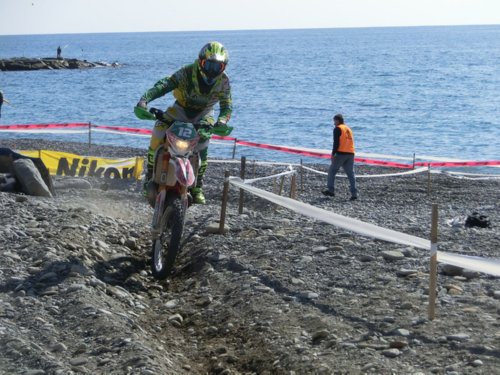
90	16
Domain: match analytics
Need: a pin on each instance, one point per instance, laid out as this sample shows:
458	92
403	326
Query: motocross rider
197	87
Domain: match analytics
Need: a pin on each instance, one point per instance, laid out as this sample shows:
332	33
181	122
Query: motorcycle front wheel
167	245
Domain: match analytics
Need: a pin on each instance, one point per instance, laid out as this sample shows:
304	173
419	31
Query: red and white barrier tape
31	127
306	152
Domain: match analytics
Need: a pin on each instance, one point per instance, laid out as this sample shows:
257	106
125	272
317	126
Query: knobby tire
170	237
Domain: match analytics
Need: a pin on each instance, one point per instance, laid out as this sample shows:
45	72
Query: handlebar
157	114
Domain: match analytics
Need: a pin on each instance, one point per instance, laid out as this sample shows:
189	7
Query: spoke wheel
166	247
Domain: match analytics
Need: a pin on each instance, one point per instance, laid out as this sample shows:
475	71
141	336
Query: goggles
212	68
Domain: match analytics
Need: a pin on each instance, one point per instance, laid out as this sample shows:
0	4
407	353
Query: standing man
59	53
342	156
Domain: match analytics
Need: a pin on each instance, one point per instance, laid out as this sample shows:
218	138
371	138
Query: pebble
78	361
171	304
319	249
131	243
310	295
366	258
477	363
176	318
296	281
450	270
101	244
496	294
398	344
406	272
392	255
401	332
306	259
34	372
458	337
391	353
59	347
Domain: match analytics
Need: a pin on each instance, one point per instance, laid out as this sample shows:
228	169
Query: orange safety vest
346	139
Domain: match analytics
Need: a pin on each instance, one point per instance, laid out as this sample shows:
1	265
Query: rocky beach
279	293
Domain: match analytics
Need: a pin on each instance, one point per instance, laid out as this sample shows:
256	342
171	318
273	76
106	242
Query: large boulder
30	179
7	159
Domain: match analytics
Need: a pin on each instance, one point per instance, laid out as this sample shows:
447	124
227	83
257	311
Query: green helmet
212	61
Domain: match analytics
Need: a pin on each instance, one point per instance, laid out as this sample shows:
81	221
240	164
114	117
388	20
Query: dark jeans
346	161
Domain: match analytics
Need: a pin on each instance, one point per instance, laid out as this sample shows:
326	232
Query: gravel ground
279	293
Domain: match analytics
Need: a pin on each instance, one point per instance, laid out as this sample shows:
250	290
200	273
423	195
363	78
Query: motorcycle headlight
181	146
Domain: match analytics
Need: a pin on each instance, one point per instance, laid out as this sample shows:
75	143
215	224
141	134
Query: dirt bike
175	170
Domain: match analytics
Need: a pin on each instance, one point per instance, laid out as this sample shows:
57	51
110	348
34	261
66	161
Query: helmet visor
212	68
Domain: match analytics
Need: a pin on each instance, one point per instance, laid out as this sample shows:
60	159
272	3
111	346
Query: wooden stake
293	187
282	181
242	175
433	263
413	161
301	176
225	194
428	179
234	148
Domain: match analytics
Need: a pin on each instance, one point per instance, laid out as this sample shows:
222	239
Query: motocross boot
149	172
197	192
198	196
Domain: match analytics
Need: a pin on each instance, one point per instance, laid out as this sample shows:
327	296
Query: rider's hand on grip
159	114
142	104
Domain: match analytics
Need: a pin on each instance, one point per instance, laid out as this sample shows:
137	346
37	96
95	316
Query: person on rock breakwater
197	87
342	156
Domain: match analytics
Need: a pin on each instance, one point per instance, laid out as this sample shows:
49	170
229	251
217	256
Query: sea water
415	90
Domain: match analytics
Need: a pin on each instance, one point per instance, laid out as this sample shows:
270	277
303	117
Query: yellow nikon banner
66	164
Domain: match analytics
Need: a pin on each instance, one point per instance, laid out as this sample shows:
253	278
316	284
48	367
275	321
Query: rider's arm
162	87
336	140
225	102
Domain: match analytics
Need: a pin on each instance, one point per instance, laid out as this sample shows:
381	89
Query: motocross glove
142	103
159	114
220	123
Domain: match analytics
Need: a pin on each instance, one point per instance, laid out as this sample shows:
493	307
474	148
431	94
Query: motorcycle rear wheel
166	247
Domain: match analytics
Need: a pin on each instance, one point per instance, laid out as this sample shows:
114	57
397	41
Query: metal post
413	161
234	148
242	175
225	194
433	263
